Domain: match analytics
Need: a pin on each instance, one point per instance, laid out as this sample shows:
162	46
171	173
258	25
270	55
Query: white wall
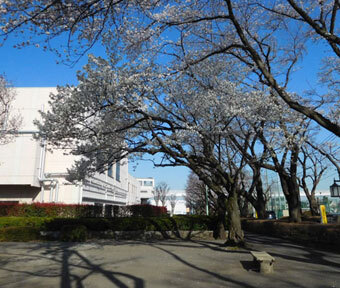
21	162
146	190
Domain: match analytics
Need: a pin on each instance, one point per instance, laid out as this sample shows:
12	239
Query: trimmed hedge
19	234
73	233
77	211
165	223
38	222
300	232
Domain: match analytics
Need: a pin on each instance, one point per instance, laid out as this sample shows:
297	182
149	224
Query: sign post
323	214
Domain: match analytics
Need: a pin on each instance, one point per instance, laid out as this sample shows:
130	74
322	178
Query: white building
31	173
180	203
147	185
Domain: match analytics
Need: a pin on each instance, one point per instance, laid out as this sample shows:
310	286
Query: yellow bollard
323	214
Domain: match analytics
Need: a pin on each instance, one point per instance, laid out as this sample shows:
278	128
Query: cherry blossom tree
9	121
313	166
133	109
268	38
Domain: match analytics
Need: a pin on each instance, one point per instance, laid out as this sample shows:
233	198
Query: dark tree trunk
291	191
260	207
235	235
313	205
258	202
243	204
220	232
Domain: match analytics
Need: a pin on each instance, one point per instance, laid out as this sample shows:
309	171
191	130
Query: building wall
25	160
147	185
134	191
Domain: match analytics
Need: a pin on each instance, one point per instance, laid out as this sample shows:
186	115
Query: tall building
30	172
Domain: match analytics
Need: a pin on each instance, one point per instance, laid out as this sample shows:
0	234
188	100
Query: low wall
327	235
140	235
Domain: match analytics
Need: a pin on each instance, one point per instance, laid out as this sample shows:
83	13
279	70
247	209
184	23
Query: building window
118	171
148	183
109	171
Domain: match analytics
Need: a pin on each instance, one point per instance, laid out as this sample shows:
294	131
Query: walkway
163	264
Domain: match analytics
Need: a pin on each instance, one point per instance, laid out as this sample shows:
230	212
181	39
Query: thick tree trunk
313	205
235	235
260	207
220	232
291	191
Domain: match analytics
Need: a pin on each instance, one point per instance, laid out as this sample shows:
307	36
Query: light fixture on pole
335	189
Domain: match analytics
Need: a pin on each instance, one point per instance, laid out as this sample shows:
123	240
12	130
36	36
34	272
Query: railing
103	191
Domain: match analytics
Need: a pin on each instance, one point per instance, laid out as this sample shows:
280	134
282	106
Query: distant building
180	206
29	172
147	185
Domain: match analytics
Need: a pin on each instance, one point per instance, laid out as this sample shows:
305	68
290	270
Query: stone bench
264	261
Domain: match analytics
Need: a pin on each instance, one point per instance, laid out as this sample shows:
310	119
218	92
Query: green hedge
185	222
21	234
38	222
79	210
73	233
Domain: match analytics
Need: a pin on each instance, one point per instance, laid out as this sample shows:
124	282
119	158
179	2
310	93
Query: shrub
19	234
146	210
47	210
73	233
38	222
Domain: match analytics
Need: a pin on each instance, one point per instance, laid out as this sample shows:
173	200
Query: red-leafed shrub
49	210
146	210
77	211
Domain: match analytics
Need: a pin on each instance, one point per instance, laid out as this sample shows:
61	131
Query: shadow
159	229
211	273
75	268
249	266
284	249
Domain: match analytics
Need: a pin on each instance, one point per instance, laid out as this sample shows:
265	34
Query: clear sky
32	67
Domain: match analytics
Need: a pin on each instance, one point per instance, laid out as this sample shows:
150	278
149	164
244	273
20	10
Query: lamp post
335	189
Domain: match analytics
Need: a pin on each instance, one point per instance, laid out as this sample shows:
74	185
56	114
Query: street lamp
335	189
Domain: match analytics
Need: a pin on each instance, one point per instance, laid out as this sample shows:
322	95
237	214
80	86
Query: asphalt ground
167	263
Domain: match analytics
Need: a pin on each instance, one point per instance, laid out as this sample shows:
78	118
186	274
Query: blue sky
32	67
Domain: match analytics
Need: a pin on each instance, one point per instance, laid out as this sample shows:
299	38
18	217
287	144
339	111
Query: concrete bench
264	261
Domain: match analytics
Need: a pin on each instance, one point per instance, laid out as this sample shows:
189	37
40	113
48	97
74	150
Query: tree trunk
258	202
243	204
313	205
291	191
220	232
235	235
260	207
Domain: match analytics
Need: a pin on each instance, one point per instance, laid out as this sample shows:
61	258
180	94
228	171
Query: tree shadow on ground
72	272
205	271
303	254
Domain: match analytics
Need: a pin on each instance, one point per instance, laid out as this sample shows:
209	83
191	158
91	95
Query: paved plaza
167	263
